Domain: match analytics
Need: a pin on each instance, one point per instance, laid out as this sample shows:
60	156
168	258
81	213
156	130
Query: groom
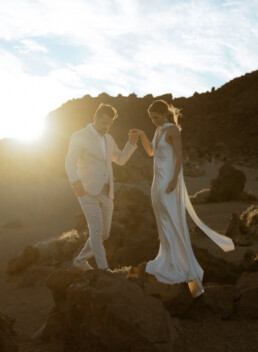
89	168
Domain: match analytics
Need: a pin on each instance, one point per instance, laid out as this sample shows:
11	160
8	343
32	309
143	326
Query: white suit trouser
98	211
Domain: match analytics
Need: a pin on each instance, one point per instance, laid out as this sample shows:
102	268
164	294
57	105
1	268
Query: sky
52	51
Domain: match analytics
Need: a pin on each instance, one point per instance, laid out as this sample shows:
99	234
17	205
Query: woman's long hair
162	107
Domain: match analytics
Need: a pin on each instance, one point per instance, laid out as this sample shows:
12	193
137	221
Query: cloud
26	99
28	46
146	46
191	34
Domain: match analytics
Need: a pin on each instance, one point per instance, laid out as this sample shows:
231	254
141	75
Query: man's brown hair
105	109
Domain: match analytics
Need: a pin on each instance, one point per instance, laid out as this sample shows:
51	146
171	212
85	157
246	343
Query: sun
25	129
31	132
23	118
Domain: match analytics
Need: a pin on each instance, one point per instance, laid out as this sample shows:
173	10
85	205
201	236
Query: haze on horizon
52	52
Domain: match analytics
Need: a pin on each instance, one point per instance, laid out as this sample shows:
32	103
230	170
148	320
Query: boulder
61	248
28	257
228	185
248	280
34	275
216	270
215	304
8	338
253	230
247	305
233	231
250	260
247	196
220	299
99	311
51	252
115	240
131	198
135	248
60	280
176	298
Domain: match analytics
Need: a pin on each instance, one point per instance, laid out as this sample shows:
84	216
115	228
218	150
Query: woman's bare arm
173	137
147	145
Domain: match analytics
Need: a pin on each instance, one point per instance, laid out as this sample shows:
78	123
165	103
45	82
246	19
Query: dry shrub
250	216
62	247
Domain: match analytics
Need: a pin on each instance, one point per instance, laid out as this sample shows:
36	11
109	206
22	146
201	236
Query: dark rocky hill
222	124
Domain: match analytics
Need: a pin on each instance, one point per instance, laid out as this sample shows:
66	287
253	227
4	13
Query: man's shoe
107	269
82	264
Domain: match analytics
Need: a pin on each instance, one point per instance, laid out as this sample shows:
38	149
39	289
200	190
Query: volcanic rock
131	198
250	260
216	270
28	257
220	299
102	311
136	247
228	185
233	231
247	306
8	338
247	280
51	252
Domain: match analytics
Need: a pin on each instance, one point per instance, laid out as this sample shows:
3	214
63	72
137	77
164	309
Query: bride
175	261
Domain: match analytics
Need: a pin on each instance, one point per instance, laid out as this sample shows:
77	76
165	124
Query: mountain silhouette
222	123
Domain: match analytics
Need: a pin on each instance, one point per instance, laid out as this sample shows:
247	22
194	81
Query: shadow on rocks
101	311
8	338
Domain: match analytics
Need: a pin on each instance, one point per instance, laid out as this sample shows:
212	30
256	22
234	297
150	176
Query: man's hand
133	138
171	186
136	132
78	189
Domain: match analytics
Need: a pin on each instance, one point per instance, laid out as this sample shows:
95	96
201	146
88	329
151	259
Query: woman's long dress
175	261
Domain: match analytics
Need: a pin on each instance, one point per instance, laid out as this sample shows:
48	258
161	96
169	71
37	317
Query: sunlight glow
22	119
27	99
27	130
30	133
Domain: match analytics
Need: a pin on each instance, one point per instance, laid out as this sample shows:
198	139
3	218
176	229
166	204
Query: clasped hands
134	135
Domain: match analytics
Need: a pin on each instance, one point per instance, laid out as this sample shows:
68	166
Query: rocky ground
46	305
128	310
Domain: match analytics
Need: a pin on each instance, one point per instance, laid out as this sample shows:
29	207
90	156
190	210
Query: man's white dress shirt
102	142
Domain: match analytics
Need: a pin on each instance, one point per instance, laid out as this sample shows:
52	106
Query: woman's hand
144	139
133	138
171	186
136	132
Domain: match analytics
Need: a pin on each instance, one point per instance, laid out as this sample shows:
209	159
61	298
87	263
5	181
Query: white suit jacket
85	160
